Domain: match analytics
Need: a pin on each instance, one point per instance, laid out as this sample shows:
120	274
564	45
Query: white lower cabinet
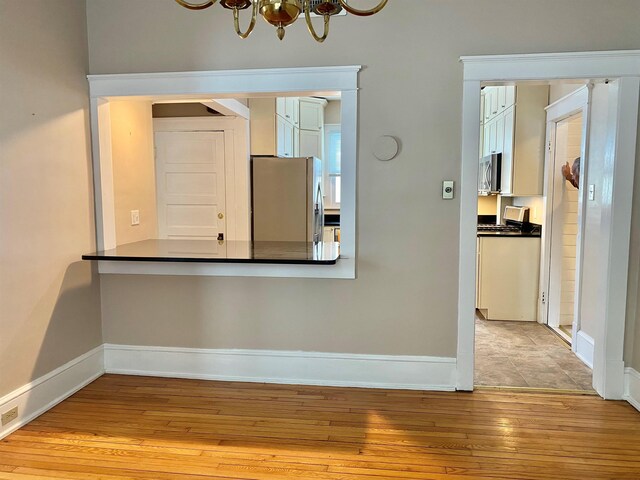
508	271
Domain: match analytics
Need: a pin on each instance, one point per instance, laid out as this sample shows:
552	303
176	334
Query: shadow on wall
71	330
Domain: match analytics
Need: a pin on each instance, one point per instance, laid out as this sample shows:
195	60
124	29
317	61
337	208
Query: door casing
624	67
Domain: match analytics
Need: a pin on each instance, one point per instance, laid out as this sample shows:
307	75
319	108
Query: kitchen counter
212	251
529	230
537	233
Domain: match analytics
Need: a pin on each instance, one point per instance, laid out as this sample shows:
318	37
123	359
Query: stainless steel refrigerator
286	199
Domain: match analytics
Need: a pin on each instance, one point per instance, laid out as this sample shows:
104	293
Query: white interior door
190	182
565	148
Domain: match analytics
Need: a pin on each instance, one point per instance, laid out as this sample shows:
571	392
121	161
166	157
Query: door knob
221	216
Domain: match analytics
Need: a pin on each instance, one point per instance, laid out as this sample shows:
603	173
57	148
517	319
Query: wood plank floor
122	427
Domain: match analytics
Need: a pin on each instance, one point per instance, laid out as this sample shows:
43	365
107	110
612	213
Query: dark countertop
510	234
528	231
212	251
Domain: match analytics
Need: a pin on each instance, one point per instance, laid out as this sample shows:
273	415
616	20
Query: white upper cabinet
312	113
287	126
311	144
514	125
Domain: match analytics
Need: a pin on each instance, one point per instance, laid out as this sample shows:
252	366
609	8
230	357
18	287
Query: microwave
489	174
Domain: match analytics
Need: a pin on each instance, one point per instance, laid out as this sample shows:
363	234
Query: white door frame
616	217
576	102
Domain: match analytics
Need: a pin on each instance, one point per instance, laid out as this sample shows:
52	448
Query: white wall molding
619	63
38	396
585	348
285	367
632	387
224	82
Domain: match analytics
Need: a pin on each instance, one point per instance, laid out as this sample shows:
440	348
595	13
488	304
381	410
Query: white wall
49	297
405	298
134	181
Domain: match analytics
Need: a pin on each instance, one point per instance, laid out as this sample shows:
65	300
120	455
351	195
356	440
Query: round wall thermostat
385	148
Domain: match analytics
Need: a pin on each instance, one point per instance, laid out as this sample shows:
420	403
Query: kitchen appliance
516	220
489	174
286	199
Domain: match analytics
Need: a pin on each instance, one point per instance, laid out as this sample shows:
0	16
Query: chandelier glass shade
281	13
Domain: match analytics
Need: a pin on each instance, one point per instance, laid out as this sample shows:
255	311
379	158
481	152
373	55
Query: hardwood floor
123	427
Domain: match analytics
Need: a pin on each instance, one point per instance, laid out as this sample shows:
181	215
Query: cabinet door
493	136
311	144
296	142
285	138
281	106
502	99
510	96
500	133
506	180
311	115
292	112
485	139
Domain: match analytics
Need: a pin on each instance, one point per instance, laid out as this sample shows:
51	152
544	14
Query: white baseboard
297	368
632	387
38	396
585	348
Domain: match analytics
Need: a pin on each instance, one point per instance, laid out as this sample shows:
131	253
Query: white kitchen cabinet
288	108
497	100
507	278
524	137
311	143
312	113
517	130
285	142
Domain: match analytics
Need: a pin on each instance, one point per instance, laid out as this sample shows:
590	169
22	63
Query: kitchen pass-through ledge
214	251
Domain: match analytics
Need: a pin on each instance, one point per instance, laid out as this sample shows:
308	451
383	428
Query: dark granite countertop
212	251
509	234
529	230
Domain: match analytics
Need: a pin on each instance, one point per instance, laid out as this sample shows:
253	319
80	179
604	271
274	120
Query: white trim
578	101
632	387
608	365
227	84
547	66
584	348
229	107
285	367
38	396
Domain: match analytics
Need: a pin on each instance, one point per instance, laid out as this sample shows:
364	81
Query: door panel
190	182
566	147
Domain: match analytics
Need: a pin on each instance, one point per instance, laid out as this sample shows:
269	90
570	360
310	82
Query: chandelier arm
252	24
307	16
196	6
362	13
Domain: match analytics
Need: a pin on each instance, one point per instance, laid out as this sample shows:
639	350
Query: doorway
567	157
615	181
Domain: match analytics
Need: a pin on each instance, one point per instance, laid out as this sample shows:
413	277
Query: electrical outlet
135	217
9	416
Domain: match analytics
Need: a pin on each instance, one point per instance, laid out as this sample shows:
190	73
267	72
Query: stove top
489	227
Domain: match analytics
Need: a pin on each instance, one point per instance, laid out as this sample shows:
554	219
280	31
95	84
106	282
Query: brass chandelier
281	13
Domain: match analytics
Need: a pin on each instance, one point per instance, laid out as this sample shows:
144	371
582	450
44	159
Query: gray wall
49	298
404	300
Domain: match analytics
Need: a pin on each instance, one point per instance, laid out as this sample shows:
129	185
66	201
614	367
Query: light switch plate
592	192
447	189
135	217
